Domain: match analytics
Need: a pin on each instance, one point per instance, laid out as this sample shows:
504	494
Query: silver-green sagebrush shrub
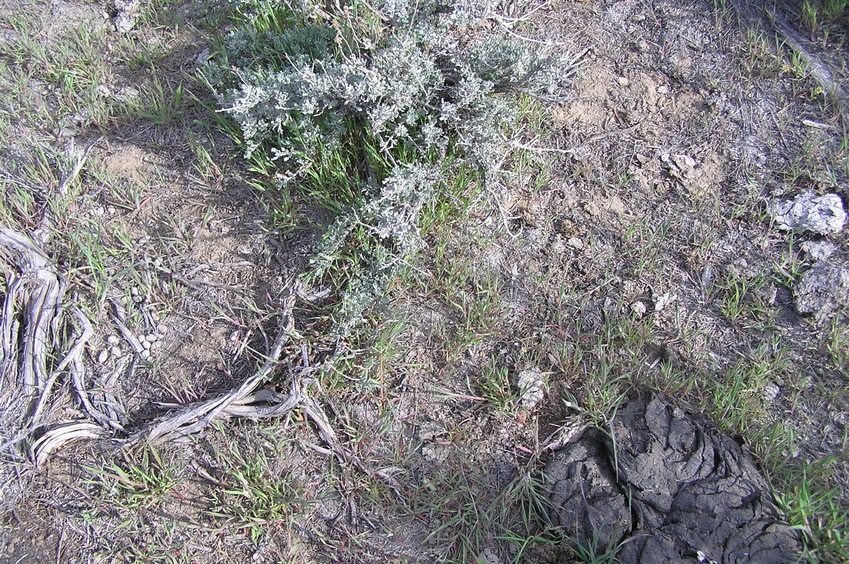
372	105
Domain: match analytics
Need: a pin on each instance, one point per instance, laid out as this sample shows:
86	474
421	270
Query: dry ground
630	248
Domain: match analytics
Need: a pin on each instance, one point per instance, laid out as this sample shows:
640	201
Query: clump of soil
664	485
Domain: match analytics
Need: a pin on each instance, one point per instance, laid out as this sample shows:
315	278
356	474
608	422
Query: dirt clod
531	386
666	486
822	289
809	212
818	250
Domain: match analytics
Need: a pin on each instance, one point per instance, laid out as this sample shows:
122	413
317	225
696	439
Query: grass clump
254	497
818	514
472	519
142	482
370	109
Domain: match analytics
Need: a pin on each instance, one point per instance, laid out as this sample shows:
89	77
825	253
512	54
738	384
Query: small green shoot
493	384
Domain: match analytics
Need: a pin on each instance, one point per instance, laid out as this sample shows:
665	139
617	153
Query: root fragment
30	330
235	403
60	435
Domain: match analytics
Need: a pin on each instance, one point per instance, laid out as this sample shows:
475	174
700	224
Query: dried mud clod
666	486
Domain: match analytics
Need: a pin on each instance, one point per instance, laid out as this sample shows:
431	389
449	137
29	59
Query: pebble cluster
149	343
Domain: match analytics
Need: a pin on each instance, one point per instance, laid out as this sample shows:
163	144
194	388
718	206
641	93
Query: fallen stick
41	306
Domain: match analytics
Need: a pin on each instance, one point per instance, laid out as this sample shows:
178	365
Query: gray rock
125	13
822	289
671	488
809	212
818	250
531	387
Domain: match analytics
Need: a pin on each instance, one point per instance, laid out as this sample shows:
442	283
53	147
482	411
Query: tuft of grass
818	514
789	269
160	103
205	164
140	482
737	401
837	344
494	386
645	250
740	297
761	55
468	514
256	493
817	17
593	553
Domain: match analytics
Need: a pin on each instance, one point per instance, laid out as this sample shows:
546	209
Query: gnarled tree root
30	329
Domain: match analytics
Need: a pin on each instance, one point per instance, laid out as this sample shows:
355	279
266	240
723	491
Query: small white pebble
575	243
134	291
110	210
162	329
770	391
113	339
103	356
145	344
116	351
638	308
145	355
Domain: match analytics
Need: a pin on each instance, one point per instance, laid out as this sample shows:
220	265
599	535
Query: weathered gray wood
825	68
